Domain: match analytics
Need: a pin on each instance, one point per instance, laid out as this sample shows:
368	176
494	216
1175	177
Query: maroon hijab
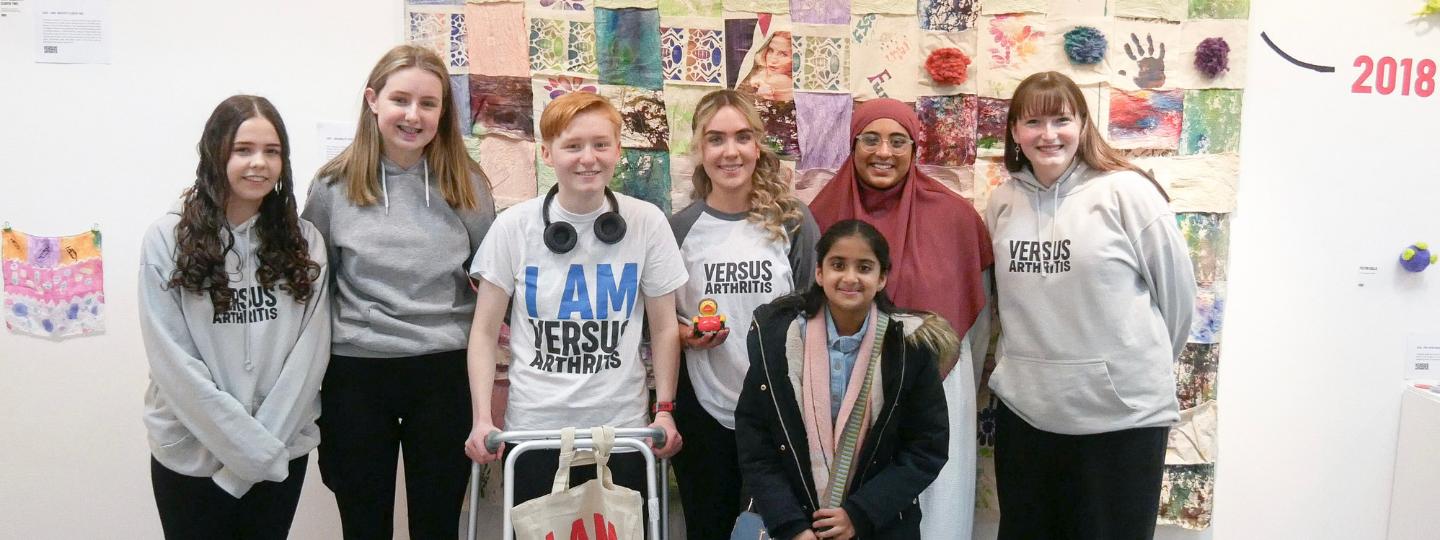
938	243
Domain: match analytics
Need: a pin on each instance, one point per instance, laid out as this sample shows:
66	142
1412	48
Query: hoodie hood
388	168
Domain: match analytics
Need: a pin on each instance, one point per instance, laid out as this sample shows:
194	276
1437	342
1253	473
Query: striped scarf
833	448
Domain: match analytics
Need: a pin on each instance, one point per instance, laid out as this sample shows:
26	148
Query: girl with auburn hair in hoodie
1096	294
236	323
842	419
402	208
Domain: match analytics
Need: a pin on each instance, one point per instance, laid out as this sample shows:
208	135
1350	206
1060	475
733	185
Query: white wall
1309	385
115	144
1311	363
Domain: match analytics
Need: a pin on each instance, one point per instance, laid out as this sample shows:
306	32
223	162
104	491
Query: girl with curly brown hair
236	323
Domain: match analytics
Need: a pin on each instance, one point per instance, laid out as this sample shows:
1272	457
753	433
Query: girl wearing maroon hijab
943	258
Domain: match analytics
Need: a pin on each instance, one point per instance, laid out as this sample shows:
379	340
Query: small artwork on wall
54	285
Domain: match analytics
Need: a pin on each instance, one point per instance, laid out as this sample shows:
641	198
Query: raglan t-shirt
736	263
576	318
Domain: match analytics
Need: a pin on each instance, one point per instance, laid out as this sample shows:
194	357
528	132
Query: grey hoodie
1096	294
400	281
233	396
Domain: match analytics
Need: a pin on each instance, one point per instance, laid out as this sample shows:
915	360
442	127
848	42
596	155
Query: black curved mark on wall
1293	60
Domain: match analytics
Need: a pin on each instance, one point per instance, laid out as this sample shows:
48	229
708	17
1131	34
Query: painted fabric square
960	180
693	51
544	89
1187	495
1208	237
441	29
550	7
1211	122
622	4
1219	9
500	47
1143	54
888	7
1195	372
645	175
823	121
948	135
1011	48
1209	313
1054	57
502	106
627	43
563	46
962	42
739	36
885	57
510	165
1170	10
989	174
54	286
948	15
680	101
460	99
1146	118
998	7
990	126
757	6
642	116
1236	37
821	58
691	8
821	11
781	130
1077	8
1199	183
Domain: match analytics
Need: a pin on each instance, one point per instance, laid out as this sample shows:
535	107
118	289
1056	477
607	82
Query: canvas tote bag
598	509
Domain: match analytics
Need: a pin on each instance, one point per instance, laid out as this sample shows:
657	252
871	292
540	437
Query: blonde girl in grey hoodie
236	323
1095	295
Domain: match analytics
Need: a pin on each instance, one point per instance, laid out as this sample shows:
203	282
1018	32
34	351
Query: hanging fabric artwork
54	285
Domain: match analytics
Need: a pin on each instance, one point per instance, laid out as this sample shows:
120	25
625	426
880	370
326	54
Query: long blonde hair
1048	93
450	164
772	203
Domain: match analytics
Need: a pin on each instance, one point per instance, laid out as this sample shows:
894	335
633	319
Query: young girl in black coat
842	422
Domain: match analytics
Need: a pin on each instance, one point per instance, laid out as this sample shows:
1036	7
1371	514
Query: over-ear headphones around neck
560	236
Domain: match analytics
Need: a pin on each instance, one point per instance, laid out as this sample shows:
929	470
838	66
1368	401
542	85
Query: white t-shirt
736	263
576	318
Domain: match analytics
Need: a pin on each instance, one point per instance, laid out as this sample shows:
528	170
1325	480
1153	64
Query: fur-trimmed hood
926	329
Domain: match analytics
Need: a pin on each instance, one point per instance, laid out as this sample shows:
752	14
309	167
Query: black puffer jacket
902	453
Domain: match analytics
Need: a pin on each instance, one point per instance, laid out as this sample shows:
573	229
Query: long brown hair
359	164
200	247
1052	93
772	203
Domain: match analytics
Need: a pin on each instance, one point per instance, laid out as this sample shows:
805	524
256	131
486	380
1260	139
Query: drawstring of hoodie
1054	207
385	184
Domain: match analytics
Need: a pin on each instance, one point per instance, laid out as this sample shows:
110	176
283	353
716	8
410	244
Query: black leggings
371	408
707	469
1100	486
194	507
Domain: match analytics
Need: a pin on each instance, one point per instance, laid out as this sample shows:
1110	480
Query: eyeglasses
871	141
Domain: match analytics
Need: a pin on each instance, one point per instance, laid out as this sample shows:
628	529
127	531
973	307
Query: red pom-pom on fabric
948	66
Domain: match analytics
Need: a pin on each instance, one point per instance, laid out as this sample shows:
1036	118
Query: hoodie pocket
1073	389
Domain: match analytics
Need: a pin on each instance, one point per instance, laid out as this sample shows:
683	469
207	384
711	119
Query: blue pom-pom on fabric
1085	45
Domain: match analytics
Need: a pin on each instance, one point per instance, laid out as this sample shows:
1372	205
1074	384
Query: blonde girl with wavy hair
746	240
401	210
